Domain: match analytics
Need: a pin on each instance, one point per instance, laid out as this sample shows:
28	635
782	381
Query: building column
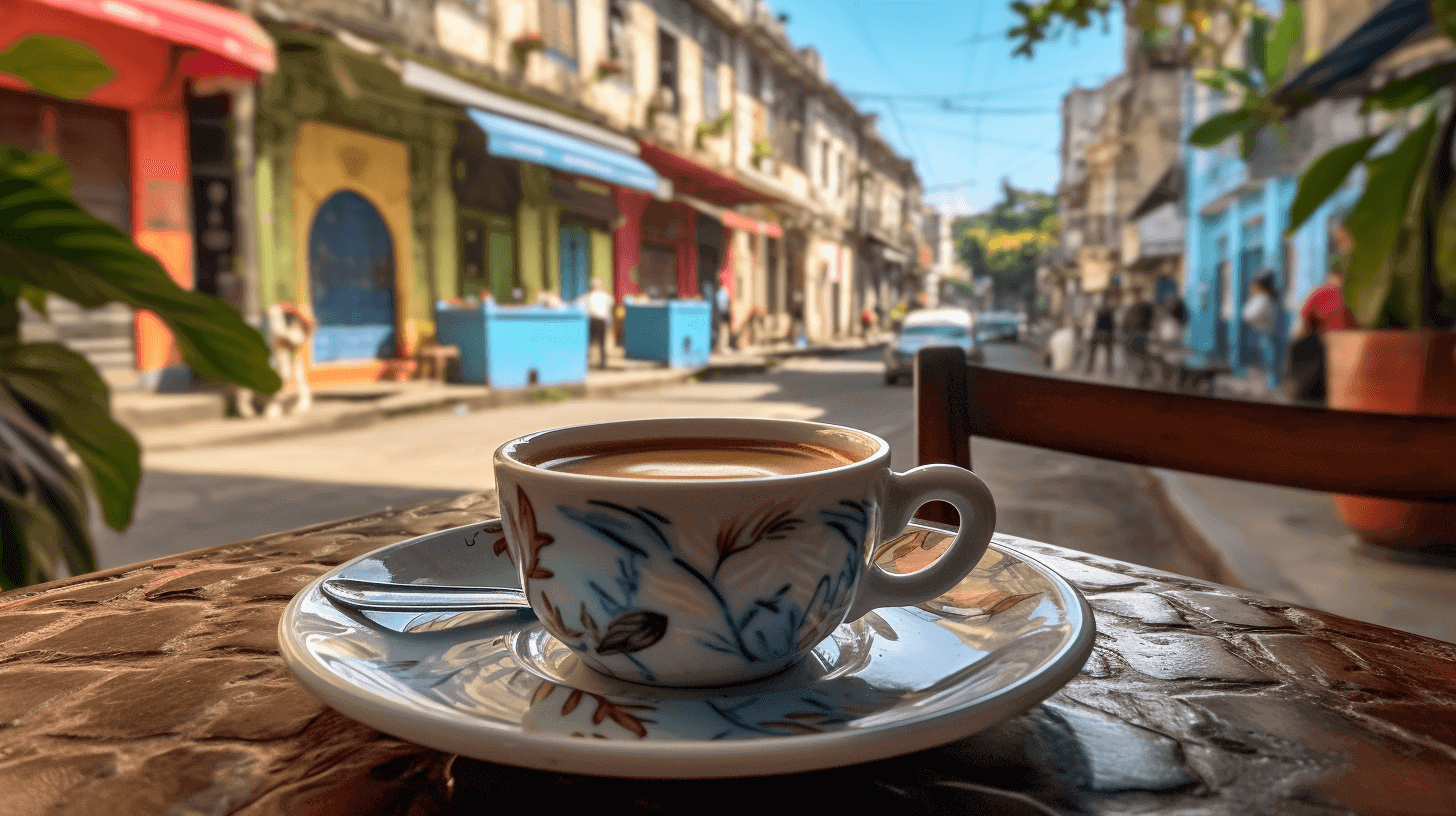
687	251
161	200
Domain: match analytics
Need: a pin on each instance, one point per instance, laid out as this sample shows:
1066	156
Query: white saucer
496	687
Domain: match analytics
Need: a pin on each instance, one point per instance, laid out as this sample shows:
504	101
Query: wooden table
157	688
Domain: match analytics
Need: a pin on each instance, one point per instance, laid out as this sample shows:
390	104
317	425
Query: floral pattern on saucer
499	687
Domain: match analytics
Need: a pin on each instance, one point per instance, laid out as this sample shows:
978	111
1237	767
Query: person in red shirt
1325	310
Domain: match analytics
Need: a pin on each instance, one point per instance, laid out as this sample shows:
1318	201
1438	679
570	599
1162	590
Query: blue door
351	280
575	262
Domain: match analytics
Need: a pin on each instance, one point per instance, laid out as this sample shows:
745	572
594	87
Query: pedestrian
720	316
1323	311
1168	339
1137	326
1261	315
598	305
866	321
1104	329
1061	349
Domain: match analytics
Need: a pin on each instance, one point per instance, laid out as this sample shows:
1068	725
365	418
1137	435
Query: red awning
690	178
225	33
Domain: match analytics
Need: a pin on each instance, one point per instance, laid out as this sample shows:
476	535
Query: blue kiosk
515	346
676	332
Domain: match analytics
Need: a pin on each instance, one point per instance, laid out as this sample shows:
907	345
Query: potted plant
609	68
58	439
523	46
1400	277
715	128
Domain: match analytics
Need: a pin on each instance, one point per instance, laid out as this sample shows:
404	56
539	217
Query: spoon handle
386	597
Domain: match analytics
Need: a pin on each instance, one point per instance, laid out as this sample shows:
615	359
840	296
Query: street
204	497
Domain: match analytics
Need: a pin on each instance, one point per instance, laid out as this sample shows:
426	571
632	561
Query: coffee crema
692	458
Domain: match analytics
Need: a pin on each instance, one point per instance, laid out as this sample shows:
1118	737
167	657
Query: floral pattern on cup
712	582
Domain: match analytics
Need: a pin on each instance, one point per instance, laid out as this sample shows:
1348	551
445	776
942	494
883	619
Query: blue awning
513	139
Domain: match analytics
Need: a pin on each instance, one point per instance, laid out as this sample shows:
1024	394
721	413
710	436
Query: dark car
926	328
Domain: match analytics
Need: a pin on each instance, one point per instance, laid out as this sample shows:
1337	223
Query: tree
1007	240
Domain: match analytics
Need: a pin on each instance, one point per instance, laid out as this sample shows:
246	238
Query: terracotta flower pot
1396	372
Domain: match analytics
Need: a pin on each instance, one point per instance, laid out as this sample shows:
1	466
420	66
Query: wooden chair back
1369	454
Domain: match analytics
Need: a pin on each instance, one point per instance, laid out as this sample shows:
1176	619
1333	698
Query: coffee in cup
702	552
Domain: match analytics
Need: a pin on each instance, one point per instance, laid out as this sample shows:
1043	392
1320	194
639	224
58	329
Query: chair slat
1384	455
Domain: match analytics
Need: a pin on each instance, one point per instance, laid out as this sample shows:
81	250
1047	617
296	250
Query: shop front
355	205
127	147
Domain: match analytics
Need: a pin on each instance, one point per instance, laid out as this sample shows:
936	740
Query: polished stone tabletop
157	688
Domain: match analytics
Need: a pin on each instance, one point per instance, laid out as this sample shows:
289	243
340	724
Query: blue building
1238	217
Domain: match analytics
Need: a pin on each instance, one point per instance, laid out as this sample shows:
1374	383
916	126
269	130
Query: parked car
998	327
925	328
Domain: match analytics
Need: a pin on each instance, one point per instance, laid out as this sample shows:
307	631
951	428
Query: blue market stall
515	346
676	332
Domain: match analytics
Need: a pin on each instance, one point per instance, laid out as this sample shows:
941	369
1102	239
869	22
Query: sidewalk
183	421
1291	546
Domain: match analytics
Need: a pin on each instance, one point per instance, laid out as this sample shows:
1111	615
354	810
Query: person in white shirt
598	305
1061	348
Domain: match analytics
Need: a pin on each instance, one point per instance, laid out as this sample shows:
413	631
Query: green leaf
1281	43
1325	176
1444	12
75	400
1403	93
1445	232
1219	127
56	66
49	242
42	167
1377	221
42	506
1214	79
1242	77
1259	44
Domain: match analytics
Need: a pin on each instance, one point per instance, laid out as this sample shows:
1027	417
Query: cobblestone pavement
197	498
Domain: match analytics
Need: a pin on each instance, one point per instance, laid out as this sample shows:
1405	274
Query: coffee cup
706	552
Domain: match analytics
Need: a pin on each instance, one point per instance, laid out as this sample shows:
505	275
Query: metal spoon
381	596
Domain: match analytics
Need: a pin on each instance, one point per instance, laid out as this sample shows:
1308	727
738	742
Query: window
617	31
824	165
843	176
667	70
755	80
712	106
558	27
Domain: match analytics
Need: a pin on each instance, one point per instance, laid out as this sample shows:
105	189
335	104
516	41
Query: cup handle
907	491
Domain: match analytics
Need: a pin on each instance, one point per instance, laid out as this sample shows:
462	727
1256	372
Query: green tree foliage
1007	240
54	406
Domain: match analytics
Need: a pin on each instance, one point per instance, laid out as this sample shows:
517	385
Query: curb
1229	550
323	419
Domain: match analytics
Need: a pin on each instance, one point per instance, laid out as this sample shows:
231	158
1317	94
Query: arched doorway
351	280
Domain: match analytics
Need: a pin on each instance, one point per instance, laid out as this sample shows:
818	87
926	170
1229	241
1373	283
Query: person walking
598	305
1261	315
1104	330
1324	311
1137	326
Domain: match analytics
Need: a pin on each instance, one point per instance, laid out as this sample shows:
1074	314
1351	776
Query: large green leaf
77	403
42	507
1444	13
1377	220
42	167
1325	176
1445	232
1287	33
49	242
1403	93
56	66
1219	127
1259	45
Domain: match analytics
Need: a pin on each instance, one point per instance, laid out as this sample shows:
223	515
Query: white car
926	328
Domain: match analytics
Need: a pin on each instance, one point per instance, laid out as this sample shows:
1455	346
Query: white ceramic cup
706	582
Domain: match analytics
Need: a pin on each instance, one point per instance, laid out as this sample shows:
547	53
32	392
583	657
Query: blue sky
907	60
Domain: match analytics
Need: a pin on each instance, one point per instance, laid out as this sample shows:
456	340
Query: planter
1395	372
